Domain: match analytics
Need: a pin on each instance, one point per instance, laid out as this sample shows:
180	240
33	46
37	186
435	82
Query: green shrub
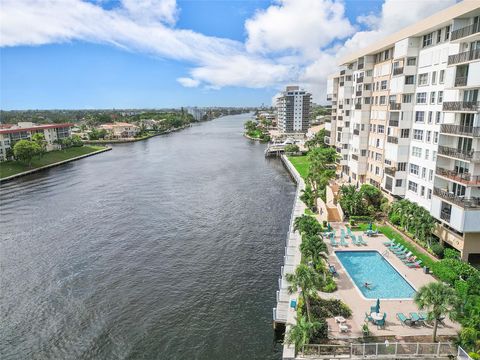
451	270
437	249
450	253
330	286
291	148
327	308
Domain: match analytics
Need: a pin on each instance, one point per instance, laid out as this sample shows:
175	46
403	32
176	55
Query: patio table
376	316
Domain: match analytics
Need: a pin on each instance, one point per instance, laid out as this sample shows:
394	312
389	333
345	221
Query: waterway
169	248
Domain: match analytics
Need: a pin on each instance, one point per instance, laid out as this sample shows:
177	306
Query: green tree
250	125
25	150
308	198
291	148
300	333
317	140
308	281
306	224
321	170
439	300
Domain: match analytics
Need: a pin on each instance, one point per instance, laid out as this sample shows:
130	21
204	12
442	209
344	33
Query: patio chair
403	319
416	264
409	260
405	256
373	309
381	323
332	240
415	317
343	242
389	243
354	239
368	317
401	250
361	241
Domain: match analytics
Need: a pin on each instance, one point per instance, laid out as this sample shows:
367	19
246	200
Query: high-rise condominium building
293	110
406	118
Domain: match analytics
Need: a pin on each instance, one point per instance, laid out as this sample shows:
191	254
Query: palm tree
439	299
308	281
300	333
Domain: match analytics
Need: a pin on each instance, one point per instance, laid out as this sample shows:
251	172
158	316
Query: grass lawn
394	235
301	164
8	168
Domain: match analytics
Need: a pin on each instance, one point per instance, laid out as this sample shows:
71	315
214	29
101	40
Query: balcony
461	106
464	57
460	81
358	93
392	139
360	80
465	31
445	215
462	201
468	155
390	171
464	178
473	131
398	71
393	123
395	106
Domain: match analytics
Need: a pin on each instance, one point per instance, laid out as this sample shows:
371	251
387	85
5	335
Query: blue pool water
371	267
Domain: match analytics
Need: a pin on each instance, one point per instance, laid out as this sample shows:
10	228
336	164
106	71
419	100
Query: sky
79	54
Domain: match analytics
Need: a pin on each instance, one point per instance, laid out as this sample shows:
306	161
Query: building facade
10	134
121	130
414	120
293	110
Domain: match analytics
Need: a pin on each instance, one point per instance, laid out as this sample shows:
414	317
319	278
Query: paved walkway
350	294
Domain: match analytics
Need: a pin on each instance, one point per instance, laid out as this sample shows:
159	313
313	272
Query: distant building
197	113
121	130
293	110
10	134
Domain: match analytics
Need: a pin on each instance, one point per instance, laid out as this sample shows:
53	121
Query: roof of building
117	124
15	128
441	18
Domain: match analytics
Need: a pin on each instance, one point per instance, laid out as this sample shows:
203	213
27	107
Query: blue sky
46	65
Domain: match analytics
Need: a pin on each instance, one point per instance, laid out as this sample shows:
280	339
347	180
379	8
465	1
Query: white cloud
188	82
292	41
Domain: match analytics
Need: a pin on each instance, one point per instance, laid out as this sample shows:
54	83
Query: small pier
274	150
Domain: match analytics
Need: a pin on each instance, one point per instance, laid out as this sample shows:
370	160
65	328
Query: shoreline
45	167
283	313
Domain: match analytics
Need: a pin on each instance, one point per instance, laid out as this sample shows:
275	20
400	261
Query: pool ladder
385	253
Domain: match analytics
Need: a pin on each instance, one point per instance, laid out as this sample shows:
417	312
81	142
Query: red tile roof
33	128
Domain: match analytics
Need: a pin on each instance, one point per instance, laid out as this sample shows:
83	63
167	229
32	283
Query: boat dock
283	313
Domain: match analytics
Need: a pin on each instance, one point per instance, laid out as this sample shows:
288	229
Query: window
383	85
447	32
412	186
383	100
430	175
424	172
422	190
381	129
404	133
441	77
439	36
401	166
427	154
435	137
418	134
421	98
433	95
434	78
437	117
428	138
427	40
430	117
398	182
423	79
363	152
377	170
369	73
416	151
411	61
407	98
409	80
440	97
414	169
434	156
419	116
429	194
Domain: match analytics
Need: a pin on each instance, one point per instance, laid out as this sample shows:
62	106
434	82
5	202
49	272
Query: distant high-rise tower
293	110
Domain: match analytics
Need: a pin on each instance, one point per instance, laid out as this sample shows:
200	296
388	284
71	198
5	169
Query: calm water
371	267
164	249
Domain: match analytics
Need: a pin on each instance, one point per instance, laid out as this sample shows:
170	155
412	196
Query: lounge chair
416	264
354	240
403	319
389	243
400	250
343	242
360	240
423	316
405	256
409	260
332	241
415	317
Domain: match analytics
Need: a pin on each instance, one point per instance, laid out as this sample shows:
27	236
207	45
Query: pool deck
351	295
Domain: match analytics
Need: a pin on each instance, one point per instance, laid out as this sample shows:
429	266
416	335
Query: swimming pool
373	268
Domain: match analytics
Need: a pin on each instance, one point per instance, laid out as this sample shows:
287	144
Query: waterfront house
10	134
120	130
